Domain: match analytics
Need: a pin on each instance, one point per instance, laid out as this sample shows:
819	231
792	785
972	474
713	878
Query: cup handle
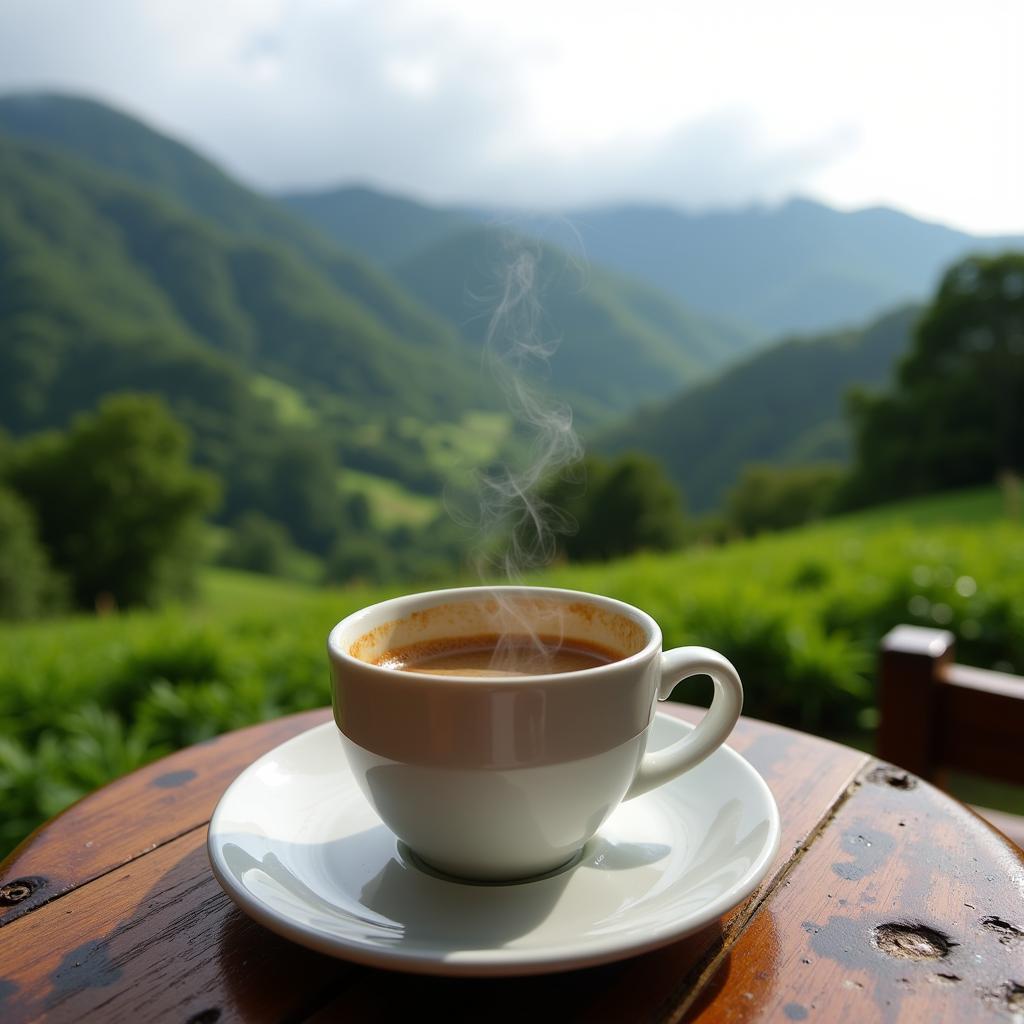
712	730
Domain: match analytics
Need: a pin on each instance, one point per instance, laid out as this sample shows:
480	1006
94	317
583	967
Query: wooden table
888	901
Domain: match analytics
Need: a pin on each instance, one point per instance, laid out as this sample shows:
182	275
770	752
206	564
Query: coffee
498	656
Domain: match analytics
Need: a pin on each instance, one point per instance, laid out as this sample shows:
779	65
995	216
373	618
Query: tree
28	585
956	415
117	502
258	544
302	492
770	497
617	507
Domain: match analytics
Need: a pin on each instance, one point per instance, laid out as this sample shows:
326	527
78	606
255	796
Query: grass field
290	407
391	504
455	450
800	614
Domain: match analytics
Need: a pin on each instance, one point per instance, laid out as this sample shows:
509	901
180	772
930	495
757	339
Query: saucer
297	847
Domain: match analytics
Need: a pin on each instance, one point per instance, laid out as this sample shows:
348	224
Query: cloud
300	94
718	160
565	102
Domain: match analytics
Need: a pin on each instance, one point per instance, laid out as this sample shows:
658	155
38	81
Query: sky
554	104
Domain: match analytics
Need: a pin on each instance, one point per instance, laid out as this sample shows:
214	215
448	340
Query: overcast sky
554	103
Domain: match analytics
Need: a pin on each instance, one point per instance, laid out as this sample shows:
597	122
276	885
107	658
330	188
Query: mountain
78	320
108	287
784	404
797	267
619	342
124	145
800	266
131	254
290	266
385	228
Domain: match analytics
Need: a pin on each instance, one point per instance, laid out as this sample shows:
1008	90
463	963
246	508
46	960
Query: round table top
888	900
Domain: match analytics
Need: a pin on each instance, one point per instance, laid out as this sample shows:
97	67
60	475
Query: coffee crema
491	655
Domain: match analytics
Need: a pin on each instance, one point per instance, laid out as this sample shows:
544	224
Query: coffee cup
497	777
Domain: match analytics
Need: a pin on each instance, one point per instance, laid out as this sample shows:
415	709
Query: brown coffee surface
495	656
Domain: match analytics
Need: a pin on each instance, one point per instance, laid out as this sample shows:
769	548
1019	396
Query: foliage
107	287
117	503
954	417
28	584
427	552
777	497
615	507
258	544
783	405
111	140
799	613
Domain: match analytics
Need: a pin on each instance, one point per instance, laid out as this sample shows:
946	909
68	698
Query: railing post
912	659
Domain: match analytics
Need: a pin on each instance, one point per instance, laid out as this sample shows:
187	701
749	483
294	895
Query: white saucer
297	847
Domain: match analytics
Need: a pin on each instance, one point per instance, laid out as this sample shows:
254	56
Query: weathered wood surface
134	928
906	907
137	814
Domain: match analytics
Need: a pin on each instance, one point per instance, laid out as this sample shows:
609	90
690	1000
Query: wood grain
907	907
155	940
137	814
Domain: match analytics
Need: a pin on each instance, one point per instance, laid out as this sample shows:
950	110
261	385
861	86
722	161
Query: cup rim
336	650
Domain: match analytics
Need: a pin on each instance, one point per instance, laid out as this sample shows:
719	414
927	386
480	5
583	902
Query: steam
520	528
518	355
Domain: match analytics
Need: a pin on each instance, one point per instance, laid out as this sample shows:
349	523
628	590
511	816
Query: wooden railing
936	715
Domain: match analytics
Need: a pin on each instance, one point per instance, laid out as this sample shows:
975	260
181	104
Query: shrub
800	614
28	585
777	497
258	544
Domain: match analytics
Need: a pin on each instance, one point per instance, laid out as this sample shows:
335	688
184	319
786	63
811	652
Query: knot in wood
210	1016
887	775
1006	932
1009	996
912	941
14	892
1013	994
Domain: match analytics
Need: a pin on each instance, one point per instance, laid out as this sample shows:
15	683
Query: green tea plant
800	614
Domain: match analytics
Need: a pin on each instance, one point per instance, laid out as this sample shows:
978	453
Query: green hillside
278	373
78	319
120	252
800	614
619	342
395	231
784	404
119	143
623	341
799	266
385	228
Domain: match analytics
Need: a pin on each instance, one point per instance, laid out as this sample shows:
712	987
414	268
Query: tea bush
800	614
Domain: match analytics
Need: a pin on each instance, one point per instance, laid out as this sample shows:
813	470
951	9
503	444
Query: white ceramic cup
504	778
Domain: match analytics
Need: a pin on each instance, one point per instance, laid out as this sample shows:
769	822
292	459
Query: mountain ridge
784	404
795	266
